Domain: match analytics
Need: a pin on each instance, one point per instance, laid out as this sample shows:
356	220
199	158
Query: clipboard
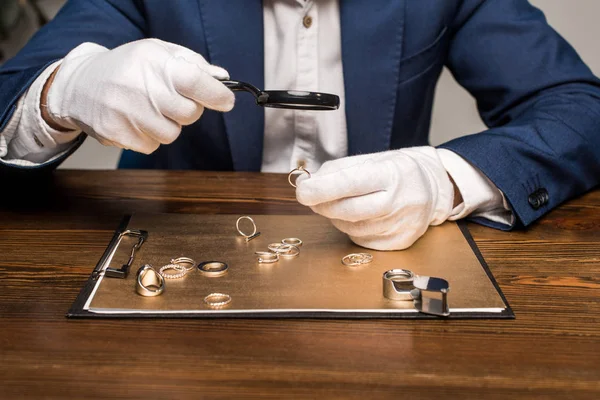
314	285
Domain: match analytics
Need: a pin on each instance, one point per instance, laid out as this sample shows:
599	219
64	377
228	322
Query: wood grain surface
54	230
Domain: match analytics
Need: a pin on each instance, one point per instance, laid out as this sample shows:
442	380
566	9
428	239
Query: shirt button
307	21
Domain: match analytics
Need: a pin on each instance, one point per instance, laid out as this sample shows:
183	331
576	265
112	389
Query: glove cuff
60	93
442	189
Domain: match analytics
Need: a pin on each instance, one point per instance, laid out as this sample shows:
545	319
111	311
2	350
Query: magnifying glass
294	99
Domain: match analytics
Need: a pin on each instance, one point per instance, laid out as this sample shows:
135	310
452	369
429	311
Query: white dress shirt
303	51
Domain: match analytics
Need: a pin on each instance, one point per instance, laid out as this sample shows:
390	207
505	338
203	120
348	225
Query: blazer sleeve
109	23
539	100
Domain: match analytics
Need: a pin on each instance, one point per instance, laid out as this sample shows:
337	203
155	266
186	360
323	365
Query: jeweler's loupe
287	98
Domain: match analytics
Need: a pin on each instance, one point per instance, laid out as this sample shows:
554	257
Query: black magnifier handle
237	86
287	98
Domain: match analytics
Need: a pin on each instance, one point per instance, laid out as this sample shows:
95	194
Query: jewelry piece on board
291	253
292	241
184	260
213	268
355	259
176	265
247	236
404	285
280	247
217	300
181	271
266	257
299	170
149	283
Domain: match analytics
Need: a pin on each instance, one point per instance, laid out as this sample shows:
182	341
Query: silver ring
217	300
181	271
280	247
149	283
355	259
295	170
291	253
398	284
184	260
237	226
266	257
213	268
292	241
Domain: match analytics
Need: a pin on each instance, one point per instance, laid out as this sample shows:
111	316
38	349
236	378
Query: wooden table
53	232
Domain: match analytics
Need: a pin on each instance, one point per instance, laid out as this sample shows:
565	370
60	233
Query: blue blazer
539	100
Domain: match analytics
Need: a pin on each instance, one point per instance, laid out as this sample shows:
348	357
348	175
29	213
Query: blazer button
538	198
534	201
544	195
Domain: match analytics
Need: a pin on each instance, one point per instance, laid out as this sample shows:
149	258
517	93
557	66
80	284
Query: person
145	76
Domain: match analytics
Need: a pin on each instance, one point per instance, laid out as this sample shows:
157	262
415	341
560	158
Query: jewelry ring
248	237
149	283
292	241
297	170
266	257
355	259
213	268
279	247
291	253
184	260
181	271
217	300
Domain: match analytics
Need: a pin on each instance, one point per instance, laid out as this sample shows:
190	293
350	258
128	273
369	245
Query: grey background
454	112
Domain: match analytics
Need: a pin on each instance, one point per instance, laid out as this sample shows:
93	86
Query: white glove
383	201
136	96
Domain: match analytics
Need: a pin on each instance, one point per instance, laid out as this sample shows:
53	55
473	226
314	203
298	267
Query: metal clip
124	270
404	285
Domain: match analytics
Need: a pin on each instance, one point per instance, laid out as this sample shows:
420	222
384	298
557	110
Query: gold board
316	281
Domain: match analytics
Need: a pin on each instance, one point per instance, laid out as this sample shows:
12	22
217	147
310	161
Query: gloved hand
136	96
383	201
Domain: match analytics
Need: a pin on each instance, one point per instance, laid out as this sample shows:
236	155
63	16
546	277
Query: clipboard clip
404	285
122	272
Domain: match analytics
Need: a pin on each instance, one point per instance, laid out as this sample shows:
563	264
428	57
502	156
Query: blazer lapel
234	36
372	36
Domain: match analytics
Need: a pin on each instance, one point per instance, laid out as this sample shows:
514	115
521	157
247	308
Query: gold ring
355	259
291	253
184	260
181	271
217	300
213	268
149	283
279	247
284	250
292	241
297	170
266	257
237	226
